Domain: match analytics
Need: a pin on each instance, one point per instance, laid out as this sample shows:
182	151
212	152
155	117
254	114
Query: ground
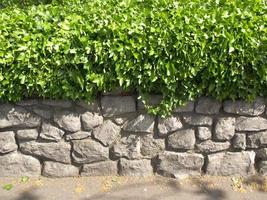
134	188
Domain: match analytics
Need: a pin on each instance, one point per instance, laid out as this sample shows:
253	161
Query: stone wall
116	136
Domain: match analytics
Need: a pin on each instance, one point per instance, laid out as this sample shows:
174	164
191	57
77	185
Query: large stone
91	120
168	125
180	165
135	167
55	169
244	108
250	124
27	134
128	146
43	111
182	139
50	132
16	165
188	107
105	168
204	133
27	102
68	121
14	116
88	151
207	105
90	106
198	120
224	128
210	146
231	163
144	123
239	141
263	168
57	103
107	133
150	147
152	100
256	140
7	142
80	135
59	151
262	154
117	105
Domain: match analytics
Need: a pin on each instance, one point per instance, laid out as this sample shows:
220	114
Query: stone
43	112
89	106
256	140
27	102
27	134
224	128
14	116
242	107
188	107
80	135
135	167
150	147
57	103
89	151
231	163
91	120
128	147
263	168
104	168
144	123
57	151
68	121
239	141
152	100
207	105
50	132
168	125
198	120
250	124
182	139
55	169
7	142
203	133
180	165
262	154
17	165
107	133
117	105
210	146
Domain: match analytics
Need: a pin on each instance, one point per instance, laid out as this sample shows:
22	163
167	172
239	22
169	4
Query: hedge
176	48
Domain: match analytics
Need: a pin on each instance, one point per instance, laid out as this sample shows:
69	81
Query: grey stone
152	100
27	102
80	135
27	134
105	168
257	140
224	128
180	165
50	132
150	147
231	163
44	112
117	105
90	106
198	120
91	120
16	165
263	168
182	139
144	123
239	141
59	151
13	116
135	167
207	105
209	146
203	133
57	103
188	107
262	154
107	133
7	142
55	169
127	146
68	121
88	151
250	124
168	125
242	107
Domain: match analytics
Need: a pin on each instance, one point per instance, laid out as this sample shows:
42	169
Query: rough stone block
188	107
207	105
80	135
89	106
198	120
250	124
57	103
224	128
55	169
263	168
50	132
42	111
239	141
68	120
150	147
7	142
204	133
105	168
256	140
182	139
262	154
153	100
209	146
167	125
144	123
91	120
27	134
135	167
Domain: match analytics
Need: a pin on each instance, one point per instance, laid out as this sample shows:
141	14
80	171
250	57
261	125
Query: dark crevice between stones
205	165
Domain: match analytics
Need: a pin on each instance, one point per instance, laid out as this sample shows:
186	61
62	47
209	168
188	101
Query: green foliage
179	49
8	187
